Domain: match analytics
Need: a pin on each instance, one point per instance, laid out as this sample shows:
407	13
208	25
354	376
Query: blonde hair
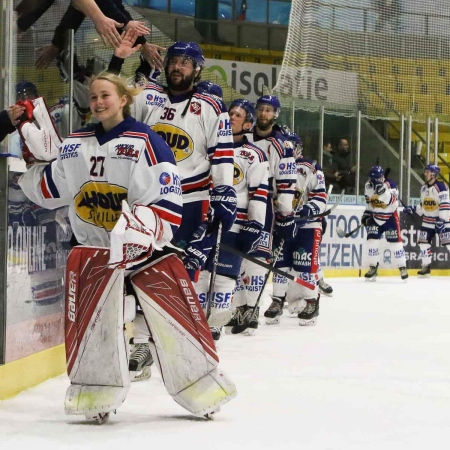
122	88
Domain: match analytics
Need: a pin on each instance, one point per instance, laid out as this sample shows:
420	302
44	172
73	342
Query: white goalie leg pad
296	294
129	308
96	355
180	337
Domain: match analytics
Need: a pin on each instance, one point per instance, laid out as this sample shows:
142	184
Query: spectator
344	176
329	169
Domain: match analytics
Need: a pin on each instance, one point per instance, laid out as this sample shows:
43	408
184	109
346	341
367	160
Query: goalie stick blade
256	261
324	214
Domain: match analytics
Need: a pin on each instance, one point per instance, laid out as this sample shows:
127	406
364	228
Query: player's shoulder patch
211	100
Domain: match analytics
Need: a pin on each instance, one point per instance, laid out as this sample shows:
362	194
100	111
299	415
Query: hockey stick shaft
212	279
256	261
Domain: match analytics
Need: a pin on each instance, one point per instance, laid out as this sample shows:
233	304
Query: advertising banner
350	253
38	245
302	83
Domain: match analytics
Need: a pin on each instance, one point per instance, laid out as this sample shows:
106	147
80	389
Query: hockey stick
342	234
256	261
212	279
324	214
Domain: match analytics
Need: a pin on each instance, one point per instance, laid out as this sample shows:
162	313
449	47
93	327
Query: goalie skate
100	418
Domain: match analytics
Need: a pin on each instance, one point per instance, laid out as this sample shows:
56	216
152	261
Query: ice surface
373	374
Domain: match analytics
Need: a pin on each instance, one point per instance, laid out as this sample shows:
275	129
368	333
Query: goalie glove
132	242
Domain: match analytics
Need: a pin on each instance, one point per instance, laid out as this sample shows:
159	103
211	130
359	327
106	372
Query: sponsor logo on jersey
178	140
238	175
429	204
126	151
70	151
302	257
245	154
195	107
155	100
100	203
224	128
165	179
376	202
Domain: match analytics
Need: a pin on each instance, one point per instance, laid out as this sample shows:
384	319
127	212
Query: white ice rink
373	374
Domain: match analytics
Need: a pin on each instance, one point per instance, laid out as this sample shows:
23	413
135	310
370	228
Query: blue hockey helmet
433	168
247	106
189	49
376	174
26	89
271	100
210	88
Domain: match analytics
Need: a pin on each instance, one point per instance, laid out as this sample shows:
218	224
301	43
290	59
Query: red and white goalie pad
132	241
96	355
42	140
181	340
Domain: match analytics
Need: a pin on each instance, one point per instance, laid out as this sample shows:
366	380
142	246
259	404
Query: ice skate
371	275
253	322
140	361
325	288
403	273
216	332
99	417
274	311
425	271
310	314
247	320
238	317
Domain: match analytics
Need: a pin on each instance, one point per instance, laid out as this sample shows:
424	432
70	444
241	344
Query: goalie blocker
96	351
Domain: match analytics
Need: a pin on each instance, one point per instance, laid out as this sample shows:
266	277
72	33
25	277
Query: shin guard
97	361
181	340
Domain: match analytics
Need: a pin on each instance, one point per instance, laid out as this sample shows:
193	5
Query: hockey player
210	88
434	208
99	171
251	177
282	176
380	217
197	127
301	255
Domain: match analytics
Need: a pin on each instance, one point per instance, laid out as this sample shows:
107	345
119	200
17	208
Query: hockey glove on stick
223	201
249	236
409	209
285	228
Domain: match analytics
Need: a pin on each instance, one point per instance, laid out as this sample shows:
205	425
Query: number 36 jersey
198	130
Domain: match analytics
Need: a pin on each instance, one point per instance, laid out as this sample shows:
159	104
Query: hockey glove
223	205
439	226
380	189
367	219
249	236
285	227
198	250
409	209
305	211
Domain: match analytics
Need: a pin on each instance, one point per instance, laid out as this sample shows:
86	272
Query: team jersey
310	190
96	170
251	181
198	130
282	168
434	203
60	116
381	206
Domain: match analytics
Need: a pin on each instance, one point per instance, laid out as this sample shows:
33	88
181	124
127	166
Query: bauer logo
238	175
164	179
178	140
100	204
72	292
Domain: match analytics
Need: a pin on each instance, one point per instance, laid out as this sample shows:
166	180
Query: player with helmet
301	256
434	208
381	217
197	127
210	88
282	178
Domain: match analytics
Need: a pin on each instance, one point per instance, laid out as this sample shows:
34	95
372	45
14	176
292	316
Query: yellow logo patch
238	175
178	140
377	203
429	204
100	203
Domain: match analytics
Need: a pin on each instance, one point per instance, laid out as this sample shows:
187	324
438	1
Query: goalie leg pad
97	362
181	338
